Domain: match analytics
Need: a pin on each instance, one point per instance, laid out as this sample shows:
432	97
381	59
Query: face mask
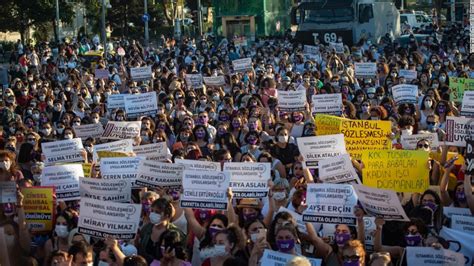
102	263
428	104
394	74
254	237
95	120
279	195
200	134
351	263
435	85
57	108
146	207
365	109
36	116
155	218
203	102
250	216
5	165
342	238
174	195
203	121
61	231
283	139
297	118
407	132
374	118
437	68
442	79
441	109
168	106
59	130
413	240
360	99
252	141
285	245
214	230
432	206
68	136
236	124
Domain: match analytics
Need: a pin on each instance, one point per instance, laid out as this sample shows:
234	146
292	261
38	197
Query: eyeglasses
431	123
426	146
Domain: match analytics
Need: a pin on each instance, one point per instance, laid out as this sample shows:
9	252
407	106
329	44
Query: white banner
327	103
458	129
365	70
275	258
120	168
140	73
338	169
106	190
405	93
116	101
89	131
154	151
450	211
153	174
241	65
205	189
463	223
214	81
194	81
65	178
337	46
380	203
141	104
313	149
330	204
198	165
63	151
249	180
409	75
459	242
106	218
125	145
292	101
409	141
7	192
310	49
122	130
467	107
428	256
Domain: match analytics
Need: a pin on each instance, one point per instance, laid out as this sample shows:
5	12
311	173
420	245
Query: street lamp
57	21
105	4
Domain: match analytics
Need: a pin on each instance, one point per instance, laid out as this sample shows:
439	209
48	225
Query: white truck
330	20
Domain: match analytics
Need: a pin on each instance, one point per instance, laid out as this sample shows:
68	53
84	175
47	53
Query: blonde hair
298	261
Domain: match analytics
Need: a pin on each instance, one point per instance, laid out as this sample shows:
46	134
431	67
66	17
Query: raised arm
193	224
443	186
395	251
468	192
24	234
322	248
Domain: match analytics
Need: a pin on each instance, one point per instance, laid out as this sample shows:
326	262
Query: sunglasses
426	146
351	258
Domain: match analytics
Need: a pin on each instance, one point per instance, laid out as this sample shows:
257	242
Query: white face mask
155	218
254	236
281	195
283	139
102	263
68	136
428	104
5	165
62	231
407	132
95	120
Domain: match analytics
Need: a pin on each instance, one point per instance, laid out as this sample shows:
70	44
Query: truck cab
415	20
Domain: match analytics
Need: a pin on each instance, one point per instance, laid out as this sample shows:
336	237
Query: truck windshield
329	15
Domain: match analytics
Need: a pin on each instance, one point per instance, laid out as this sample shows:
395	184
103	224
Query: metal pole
199	17
57	21
145	7
402	6
104	35
85	20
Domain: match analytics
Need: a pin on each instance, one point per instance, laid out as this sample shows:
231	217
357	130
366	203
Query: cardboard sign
214	81
461	242
106	190
205	189
338	170
380	203
101	73
194	81
276	258
106	218
458	129
125	168
458	86
398	170
198	165
122	130
310	49
327	124
63	151
463	223
116	101
292	101
370	227
242	65
429	256
365	70
65	178
140	73
141	104
467	107
38	204
405	93
409	75
327	103
469	159
153	174
89	131
409	141
330	204
7	192
316	148
451	211
249	180
154	151
125	145
338	47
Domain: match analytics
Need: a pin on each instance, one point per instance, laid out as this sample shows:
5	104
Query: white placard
330	204
106	189
140	73
405	93
154	151
141	104
365	70
370	227
241	65
458	129
467	107
106	218
122	130
463	223
409	141
310	49
337	46
275	258
214	81
338	169
451	211
249	180
65	178
7	192
292	101
194	81
120	168
315	148
199	165
409	75
153	174
205	189
125	146
428	256
63	151
89	131
115	101
380	203
459	241
327	103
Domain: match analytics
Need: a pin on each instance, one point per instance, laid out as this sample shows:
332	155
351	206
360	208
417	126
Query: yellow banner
86	167
458	86
399	170
39	208
110	154
359	135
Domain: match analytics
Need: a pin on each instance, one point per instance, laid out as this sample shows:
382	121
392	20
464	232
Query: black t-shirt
285	155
